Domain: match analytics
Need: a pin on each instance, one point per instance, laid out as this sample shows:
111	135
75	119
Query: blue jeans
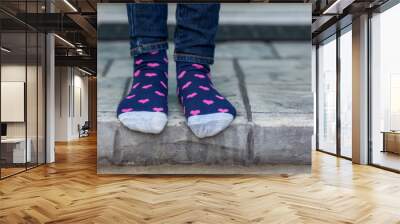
194	34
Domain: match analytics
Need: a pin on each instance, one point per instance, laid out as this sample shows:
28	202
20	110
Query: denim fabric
195	32
147	27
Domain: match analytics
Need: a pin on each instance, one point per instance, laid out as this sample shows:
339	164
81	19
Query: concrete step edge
120	31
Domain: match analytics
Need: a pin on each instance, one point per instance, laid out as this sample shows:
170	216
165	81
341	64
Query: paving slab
244	50
272	133
278	85
292	49
113	50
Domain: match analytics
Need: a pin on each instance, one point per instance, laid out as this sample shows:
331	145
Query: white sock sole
144	121
209	124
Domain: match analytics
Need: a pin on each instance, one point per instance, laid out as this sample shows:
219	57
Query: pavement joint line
273	49
242	89
107	67
126	88
250	144
115	142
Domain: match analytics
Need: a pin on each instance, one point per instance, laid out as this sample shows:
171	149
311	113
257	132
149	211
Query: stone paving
269	83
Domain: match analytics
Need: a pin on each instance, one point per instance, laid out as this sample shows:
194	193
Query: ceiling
74	22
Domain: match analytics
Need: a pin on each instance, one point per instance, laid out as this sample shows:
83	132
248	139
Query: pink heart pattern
208	102
143	101
151	74
198	66
153	65
130	96
200	76
204	88
125	110
191	95
223	110
137	73
195	112
219	97
147	86
136	85
159	93
158	109
163	84
181	74
186	85
139	61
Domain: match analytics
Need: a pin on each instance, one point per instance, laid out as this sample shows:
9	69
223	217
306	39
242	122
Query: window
385	89
22	101
346	75
327	95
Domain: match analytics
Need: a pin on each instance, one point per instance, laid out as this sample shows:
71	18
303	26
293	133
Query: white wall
80	109
71	94
62	81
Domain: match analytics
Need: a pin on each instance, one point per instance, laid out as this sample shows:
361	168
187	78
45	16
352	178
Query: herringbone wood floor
69	191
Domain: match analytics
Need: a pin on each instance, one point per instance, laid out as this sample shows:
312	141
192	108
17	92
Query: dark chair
84	130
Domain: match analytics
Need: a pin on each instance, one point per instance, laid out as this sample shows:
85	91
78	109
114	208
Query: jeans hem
145	48
191	58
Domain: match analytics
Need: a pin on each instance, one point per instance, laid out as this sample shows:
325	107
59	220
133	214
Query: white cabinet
19	155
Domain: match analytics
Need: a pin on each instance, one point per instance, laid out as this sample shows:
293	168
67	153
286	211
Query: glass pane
327	96
31	98
41	99
386	89
313	81
346	94
13	86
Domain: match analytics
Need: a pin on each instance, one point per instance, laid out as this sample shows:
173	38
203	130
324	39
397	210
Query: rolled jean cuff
145	48
193	58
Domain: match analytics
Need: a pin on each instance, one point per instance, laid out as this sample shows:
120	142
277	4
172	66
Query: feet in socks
207	111
145	108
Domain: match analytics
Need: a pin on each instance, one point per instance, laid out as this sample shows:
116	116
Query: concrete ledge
118	31
245	147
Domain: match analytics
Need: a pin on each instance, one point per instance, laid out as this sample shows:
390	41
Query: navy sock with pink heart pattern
145	107
207	111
